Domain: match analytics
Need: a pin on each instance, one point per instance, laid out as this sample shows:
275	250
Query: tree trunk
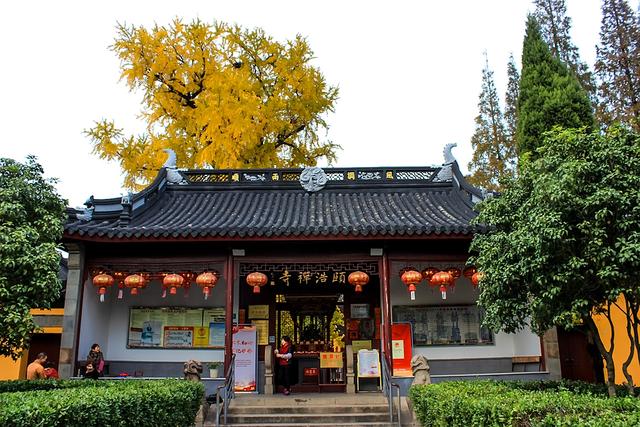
632	347
606	355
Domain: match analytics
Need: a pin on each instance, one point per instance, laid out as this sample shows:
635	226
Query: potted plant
215	369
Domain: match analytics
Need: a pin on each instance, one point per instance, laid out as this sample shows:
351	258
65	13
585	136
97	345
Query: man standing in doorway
35	370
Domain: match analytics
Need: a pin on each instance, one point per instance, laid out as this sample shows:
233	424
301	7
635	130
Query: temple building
203	264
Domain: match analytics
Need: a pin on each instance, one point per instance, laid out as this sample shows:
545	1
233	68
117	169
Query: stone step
298	419
315	425
310	409
309	399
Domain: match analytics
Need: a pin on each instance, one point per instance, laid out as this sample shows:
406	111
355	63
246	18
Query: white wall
107	323
524	343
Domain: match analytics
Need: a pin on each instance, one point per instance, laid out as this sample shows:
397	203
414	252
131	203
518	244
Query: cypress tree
493	157
555	27
550	95
511	101
618	65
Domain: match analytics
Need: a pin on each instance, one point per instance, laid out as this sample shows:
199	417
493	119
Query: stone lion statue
420	368
192	370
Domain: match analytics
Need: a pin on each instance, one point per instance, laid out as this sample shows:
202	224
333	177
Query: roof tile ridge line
277	200
284	217
378	208
342	215
257	218
301	213
329	201
389	224
236	204
146	213
441	213
219	212
417	217
406	210
178	204
436	207
464	203
371	211
462	183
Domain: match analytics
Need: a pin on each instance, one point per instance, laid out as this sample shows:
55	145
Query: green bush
102	403
489	403
50	384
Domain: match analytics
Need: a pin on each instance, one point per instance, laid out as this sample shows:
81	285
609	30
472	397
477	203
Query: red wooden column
386	306
228	321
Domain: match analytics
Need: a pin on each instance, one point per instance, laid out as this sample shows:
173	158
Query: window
444	325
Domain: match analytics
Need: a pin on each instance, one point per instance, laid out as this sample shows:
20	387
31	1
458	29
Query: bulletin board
176	327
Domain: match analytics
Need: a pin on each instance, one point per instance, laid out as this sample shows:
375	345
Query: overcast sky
409	73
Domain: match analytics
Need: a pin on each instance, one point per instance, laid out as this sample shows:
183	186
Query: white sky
409	73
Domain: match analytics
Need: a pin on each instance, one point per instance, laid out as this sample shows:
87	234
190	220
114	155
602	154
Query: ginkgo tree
220	96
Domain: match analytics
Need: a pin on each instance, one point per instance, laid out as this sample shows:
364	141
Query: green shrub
50	384
103	403
489	403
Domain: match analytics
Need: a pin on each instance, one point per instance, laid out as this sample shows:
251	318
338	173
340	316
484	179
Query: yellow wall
9	370
620	342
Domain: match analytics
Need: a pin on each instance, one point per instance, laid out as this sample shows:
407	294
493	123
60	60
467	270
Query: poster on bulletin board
401	349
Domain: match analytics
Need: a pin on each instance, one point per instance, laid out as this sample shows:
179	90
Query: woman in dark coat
97	359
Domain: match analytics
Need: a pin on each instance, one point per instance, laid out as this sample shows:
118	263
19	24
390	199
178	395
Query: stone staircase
362	409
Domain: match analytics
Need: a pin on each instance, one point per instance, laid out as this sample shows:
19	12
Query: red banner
401	349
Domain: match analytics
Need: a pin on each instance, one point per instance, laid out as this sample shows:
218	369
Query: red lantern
442	279
173	282
256	279
455	273
206	281
358	279
102	281
135	282
476	278
411	278
469	271
428	273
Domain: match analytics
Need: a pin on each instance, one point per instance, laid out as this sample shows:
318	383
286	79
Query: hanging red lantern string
102	281
135	282
428	273
173	282
469	271
455	275
206	281
411	278
119	277
256	280
476	278
442	279
358	279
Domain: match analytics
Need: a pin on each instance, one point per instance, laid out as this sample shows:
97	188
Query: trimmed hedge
101	403
490	403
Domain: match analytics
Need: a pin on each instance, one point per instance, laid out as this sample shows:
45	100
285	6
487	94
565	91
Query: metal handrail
228	391
389	385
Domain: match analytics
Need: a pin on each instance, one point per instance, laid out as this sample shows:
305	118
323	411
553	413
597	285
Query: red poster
401	349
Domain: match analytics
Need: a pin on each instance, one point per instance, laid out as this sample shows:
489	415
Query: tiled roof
272	204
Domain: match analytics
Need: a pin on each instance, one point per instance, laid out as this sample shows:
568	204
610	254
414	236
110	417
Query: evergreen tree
550	95
618	65
511	100
555	27
493	157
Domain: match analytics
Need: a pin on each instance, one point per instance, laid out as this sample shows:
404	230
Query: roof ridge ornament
448	155
173	176
87	211
313	178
